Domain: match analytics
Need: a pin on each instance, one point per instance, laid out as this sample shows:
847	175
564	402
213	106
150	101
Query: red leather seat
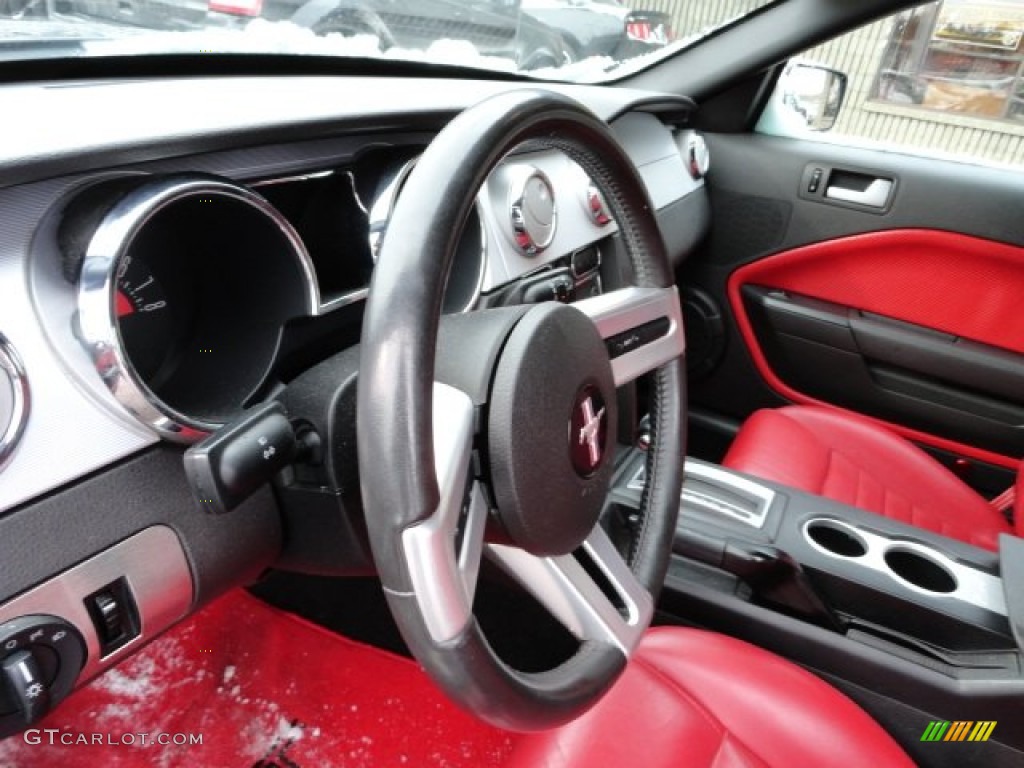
850	459
693	698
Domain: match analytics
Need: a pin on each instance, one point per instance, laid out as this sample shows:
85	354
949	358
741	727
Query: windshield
574	40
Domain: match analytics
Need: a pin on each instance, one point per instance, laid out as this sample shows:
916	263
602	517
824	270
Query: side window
945	78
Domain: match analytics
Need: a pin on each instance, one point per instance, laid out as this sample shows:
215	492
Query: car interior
372	412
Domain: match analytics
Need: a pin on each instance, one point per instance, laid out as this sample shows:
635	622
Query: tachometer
185	286
144	318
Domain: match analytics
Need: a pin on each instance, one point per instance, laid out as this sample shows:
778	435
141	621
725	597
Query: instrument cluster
186	283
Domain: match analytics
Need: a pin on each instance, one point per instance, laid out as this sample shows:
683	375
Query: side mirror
814	92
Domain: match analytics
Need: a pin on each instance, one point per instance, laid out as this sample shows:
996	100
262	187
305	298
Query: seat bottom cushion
691	699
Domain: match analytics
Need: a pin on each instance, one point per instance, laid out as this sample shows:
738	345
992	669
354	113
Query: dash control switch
114	615
228	466
40	660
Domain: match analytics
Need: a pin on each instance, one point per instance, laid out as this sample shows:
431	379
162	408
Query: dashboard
162	273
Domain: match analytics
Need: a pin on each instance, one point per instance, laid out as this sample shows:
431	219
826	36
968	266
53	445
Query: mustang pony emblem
591	430
588	428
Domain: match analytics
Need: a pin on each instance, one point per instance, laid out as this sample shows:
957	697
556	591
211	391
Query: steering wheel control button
40	660
533	212
232	463
14	400
553	378
634	338
588	431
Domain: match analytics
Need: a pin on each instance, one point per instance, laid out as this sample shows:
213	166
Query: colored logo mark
958	730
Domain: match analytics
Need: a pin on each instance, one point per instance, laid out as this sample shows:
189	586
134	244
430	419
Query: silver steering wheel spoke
565	587
471	546
443	551
642	328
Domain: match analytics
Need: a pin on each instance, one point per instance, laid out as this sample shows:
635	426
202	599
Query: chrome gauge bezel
524	239
383	206
379	216
97	292
596	207
21	400
481	267
698	156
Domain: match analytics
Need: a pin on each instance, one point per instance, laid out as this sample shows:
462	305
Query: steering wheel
491	434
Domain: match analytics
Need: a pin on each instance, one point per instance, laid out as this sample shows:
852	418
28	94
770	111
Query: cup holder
907	565
920	570
836	539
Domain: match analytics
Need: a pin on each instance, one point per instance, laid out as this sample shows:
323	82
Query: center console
914	626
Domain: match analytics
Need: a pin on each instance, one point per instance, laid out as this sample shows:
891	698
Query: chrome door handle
876	195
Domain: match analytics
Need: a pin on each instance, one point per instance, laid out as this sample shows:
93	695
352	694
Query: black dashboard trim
52	533
177	65
14	172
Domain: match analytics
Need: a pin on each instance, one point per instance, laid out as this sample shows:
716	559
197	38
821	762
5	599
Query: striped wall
858	54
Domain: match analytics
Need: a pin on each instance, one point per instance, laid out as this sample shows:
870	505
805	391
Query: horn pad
551	430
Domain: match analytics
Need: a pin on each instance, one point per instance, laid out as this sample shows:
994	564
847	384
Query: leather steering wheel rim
397	403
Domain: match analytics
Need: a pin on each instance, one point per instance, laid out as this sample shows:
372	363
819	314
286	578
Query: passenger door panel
887	284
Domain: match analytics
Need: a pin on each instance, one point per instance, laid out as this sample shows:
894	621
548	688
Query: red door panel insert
961	285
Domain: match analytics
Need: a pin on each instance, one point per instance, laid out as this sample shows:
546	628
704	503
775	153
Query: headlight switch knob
40	658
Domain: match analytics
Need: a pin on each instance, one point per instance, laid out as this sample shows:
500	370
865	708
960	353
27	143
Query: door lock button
815	181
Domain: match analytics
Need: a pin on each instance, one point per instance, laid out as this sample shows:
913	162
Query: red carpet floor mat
244	685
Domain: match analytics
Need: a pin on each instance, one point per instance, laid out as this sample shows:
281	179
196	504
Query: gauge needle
124	304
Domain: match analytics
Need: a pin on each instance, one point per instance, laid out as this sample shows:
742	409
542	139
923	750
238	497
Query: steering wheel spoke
642	328
443	551
591	592
471	543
